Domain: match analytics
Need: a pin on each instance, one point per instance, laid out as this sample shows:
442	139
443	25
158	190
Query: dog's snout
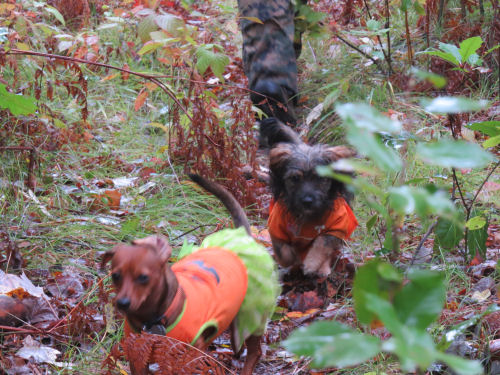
123	303
307	199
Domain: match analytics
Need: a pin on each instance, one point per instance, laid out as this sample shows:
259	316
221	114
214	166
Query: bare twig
484	182
421	243
192	230
408	39
376	62
387	26
442	4
386	57
149	77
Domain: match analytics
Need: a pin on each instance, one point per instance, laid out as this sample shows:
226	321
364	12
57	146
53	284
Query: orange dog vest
339	221
214	281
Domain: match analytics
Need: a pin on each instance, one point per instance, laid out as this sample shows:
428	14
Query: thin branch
192	230
484	182
376	62
386	57
422	240
149	77
387	26
152	77
455	181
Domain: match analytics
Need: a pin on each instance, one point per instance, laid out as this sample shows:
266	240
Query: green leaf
447	234
444	55
56	14
491	128
207	58
371	222
492	49
16	104
461	366
149	47
330	99
477	235
421	300
373	25
418	8
405	4
469	46
437	80
492	142
476	222
170	23
453	104
383	309
369	144
332	344
410	199
456	154
474	60
452	50
364	116
414	348
377	278
146	26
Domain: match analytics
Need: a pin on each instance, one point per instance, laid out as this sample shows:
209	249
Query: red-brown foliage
171	356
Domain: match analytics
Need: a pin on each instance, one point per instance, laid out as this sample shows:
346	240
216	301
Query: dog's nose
307	200
123	303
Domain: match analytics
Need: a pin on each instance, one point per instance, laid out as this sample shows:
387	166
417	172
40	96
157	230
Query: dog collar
164	323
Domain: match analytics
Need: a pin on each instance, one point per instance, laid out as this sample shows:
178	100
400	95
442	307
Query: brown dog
309	217
201	295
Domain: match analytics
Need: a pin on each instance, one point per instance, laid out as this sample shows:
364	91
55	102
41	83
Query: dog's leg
254	352
234	339
284	254
323	251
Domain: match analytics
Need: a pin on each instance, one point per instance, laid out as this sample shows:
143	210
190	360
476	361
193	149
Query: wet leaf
421	300
377	278
453	104
332	344
370	145
447	234
456	154
364	116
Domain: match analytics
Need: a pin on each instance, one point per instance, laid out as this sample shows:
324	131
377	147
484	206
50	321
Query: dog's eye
142	279
295	178
116	276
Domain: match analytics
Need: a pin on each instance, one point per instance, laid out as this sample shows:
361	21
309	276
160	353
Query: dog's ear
335	153
159	243
279	156
108	255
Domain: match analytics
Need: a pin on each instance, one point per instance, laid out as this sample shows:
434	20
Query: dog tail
227	199
273	131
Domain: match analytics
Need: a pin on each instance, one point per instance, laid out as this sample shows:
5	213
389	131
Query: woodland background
104	105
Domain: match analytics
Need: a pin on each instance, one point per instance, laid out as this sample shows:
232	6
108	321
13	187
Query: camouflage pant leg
268	54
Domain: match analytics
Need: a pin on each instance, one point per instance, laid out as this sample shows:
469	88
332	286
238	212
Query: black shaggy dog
309	217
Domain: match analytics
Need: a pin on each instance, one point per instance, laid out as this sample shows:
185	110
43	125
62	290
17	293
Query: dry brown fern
169	356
